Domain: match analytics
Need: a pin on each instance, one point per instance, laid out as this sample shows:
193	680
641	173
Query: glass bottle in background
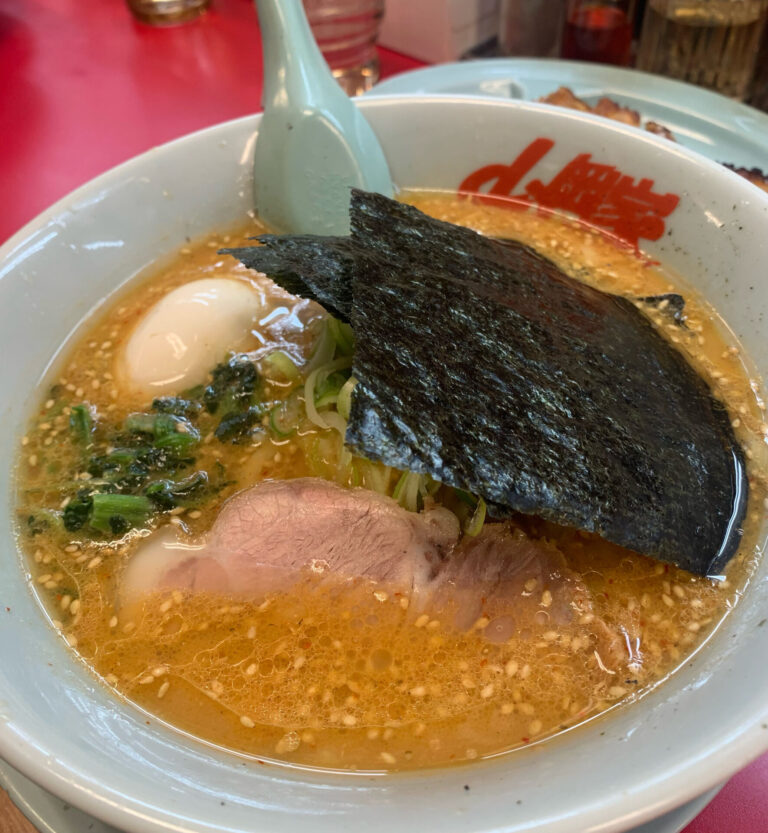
531	28
598	31
713	43
167	12
346	32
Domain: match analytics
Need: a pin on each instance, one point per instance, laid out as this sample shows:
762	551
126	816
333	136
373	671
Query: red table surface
84	87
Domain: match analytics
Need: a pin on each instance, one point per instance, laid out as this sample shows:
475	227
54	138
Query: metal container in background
531	28
167	12
712	43
346	32
759	94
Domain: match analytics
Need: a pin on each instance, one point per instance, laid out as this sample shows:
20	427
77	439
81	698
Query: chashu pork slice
272	534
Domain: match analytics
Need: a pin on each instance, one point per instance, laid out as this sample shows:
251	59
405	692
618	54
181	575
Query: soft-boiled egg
187	333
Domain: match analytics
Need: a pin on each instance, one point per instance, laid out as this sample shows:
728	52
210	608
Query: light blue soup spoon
313	144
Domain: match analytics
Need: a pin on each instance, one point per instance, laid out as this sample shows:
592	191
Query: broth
347	677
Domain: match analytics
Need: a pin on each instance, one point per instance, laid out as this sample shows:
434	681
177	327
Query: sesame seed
66	600
372	734
381	595
71	548
94	562
421	621
678	591
526	709
525	672
468	682
129	627
49	404
388	758
694	627
404	603
507	708
546	598
550	636
251	669
481	623
161	692
71	639
44	578
247	722
194	514
160	671
32	460
617	691
113	622
418	691
146	680
487	691
111	679
166	606
471	754
251	632
25	440
349	720
668	600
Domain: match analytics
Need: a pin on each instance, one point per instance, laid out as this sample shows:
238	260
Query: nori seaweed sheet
481	363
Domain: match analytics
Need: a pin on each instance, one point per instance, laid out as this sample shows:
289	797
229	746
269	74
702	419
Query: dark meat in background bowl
610	109
480	363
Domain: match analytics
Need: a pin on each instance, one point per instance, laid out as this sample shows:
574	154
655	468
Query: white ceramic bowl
62	729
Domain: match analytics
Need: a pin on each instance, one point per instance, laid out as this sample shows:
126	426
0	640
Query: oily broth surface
349	677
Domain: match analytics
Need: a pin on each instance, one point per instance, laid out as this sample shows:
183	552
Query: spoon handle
294	67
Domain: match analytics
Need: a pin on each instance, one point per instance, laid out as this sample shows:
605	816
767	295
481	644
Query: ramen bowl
66	731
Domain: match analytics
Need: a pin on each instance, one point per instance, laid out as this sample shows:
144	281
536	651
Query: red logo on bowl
598	194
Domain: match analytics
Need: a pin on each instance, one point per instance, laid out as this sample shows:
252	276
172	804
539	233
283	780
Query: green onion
344	402
407	489
475	523
281	362
343	335
316	377
324	348
169	431
327	391
116	514
81	423
284	418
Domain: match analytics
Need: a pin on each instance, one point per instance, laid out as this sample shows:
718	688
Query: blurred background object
346	32
713	43
599	31
167	12
440	30
531	28
759	96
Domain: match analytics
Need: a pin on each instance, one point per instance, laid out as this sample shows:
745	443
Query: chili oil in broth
347	677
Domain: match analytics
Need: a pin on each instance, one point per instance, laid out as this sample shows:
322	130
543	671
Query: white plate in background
715	126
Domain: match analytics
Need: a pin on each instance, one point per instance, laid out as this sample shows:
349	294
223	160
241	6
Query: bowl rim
747	739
